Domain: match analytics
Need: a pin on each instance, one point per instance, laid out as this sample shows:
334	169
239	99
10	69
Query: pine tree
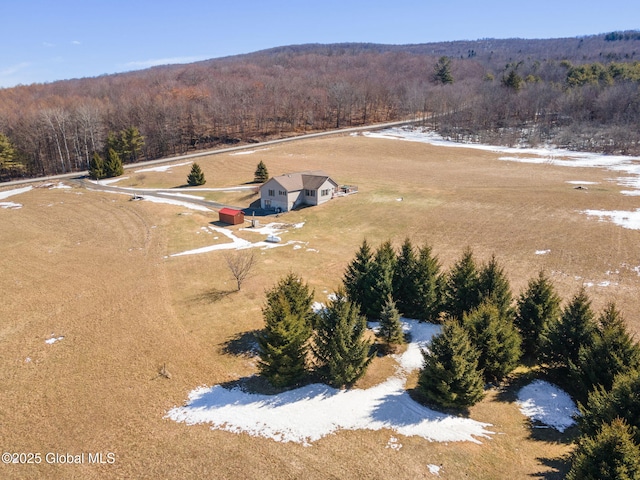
604	406
283	344
611	455
96	167
574	330
9	158
462	290
405	288
442	71
497	340
450	376
131	142
196	177
382	269
429	281
390	326
341	352
358	278
611	352
262	174
495	288
113	164
537	306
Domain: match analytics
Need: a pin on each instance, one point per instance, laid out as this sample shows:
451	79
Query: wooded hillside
582	93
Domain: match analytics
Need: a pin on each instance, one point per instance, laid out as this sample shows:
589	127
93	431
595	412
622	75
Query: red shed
231	216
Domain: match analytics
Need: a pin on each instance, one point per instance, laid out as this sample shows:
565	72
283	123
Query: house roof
229	211
311	180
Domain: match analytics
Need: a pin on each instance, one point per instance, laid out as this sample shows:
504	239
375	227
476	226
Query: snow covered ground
545	403
627	167
10	193
306	414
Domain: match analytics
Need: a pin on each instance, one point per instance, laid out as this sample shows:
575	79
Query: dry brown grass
94	268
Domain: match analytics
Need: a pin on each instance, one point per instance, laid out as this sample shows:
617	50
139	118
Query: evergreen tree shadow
244	344
560	466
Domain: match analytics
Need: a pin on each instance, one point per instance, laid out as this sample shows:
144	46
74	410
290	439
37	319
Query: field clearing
96	269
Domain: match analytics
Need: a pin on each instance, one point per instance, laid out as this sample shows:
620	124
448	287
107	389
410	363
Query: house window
325	192
272	193
283	193
310	193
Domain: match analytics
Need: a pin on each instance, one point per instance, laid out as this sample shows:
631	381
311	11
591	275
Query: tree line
494	91
486	333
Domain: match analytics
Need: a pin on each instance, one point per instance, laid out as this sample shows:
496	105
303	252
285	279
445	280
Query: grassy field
97	269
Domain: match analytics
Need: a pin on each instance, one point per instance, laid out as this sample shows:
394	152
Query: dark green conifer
340	350
283	344
404	280
113	165
390	326
603	406
497	340
261	174
196	177
462	290
495	288
429	283
96	167
611	352
358	278
450	377
537	306
574	330
383	266
612	454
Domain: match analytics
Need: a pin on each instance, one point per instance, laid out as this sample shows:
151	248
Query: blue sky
48	40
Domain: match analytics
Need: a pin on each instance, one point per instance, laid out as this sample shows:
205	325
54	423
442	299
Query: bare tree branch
240	264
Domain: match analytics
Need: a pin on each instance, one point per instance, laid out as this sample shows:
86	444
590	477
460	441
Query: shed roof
230	211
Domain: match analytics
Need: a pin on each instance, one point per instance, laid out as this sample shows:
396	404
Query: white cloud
13	69
48	44
76	42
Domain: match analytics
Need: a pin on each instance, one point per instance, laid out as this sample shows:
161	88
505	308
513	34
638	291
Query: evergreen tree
442	71
358	278
611	352
131	143
564	338
497	340
9	158
513	81
537	306
196	177
283	344
405	288
262	174
384	262
427	304
495	288
113	142
390	326
604	406
450	376
340	349
96	167
462	290
610	455
113	164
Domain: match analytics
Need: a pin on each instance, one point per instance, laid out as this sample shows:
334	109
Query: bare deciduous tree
240	264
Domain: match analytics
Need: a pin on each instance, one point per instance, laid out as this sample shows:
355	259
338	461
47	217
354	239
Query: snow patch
544	402
630	220
180	203
15	191
10	205
434	470
162	168
53	339
306	414
393	444
542	252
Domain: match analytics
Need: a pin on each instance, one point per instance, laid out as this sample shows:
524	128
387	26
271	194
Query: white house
291	190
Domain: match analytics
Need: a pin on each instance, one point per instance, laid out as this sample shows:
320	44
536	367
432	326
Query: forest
581	93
